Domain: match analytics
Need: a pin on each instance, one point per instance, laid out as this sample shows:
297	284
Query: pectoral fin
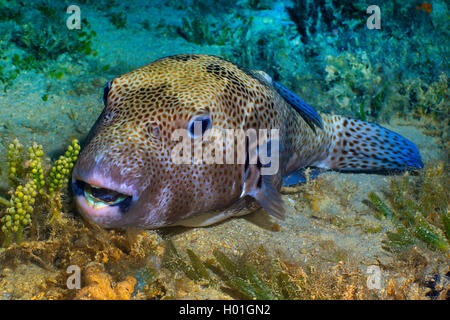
270	199
262	188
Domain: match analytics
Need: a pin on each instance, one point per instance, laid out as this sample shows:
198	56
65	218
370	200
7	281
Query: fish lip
95	206
104	183
101	216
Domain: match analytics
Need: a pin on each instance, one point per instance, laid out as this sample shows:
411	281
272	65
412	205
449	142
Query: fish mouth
98	197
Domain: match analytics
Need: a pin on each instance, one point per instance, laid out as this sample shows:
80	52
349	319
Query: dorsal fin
308	114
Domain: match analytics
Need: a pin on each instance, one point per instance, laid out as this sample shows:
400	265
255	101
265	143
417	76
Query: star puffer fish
126	177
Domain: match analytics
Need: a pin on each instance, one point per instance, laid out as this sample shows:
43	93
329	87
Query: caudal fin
363	146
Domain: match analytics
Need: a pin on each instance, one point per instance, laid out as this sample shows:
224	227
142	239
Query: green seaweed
197	265
225	262
241	276
118	19
243	279
419	211
446	222
195	29
15	159
32	186
50	42
7	75
400	239
382	208
255	280
174	262
356	87
429	234
37	36
288	288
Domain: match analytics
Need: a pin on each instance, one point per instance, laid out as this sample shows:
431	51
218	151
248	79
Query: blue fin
310	115
368	147
298	176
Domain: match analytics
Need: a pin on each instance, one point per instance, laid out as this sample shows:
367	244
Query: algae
27	182
419	209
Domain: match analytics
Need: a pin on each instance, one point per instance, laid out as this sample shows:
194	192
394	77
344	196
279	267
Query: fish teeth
98	204
93	203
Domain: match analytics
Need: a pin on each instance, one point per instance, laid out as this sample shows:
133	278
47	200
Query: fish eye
106	91
198	125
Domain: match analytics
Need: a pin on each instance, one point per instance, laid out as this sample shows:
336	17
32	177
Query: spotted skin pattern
129	148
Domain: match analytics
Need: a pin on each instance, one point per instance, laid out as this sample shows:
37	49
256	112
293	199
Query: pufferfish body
126	176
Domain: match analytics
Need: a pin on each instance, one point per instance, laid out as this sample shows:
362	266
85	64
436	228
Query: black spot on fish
216	70
184	57
223	73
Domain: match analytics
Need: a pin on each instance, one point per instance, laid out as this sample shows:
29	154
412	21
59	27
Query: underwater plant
195	29
256	274
419	211
10	10
356	87
257	4
118	19
244	276
312	18
433	98
32	186
7	74
35	36
432	106
49	42
201	29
